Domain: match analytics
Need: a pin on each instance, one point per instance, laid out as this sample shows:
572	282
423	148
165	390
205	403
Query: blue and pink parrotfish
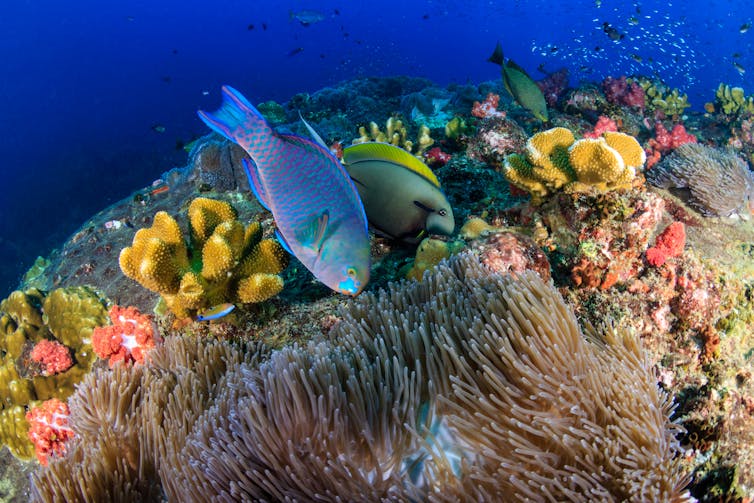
319	216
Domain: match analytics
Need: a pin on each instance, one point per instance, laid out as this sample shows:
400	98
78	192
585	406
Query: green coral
661	97
396	134
732	102
273	112
455	128
67	315
225	261
555	161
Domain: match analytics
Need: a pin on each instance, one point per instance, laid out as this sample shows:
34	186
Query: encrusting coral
554	161
45	342
468	386
225	261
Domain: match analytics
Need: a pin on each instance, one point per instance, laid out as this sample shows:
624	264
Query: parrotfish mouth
349	286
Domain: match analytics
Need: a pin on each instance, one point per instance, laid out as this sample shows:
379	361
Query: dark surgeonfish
401	195
517	82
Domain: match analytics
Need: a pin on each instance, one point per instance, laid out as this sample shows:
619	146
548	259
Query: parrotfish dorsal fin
316	231
497	55
256	185
374	151
312	132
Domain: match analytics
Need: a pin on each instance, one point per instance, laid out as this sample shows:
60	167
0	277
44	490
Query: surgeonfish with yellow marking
517	82
401	195
215	312
319	216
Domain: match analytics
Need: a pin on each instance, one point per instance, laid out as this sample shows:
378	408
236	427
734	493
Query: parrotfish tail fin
497	55
235	118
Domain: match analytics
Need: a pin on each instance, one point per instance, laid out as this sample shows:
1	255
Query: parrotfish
319	216
215	312
518	83
401	195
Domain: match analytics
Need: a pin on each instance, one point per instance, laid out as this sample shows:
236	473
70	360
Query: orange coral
48	429
127	339
488	107
53	356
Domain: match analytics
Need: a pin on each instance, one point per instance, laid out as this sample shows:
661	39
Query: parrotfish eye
351	272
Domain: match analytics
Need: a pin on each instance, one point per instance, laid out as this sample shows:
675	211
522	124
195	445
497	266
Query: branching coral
555	160
46	350
396	134
468	386
225	262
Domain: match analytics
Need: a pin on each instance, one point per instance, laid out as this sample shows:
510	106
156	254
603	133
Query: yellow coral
731	100
554	161
230	254
396	134
206	214
429	253
660	97
66	315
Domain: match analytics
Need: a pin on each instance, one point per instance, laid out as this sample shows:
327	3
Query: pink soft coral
48	429
127	339
53	356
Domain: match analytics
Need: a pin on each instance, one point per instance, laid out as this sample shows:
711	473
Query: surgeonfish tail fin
497	55
235	117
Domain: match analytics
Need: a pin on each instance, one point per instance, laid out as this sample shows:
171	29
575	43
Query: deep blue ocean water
95	95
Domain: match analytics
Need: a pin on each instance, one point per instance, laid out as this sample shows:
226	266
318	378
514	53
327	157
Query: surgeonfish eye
443	212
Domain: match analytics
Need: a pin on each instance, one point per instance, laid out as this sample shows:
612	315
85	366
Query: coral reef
668	244
622	92
555	161
452	388
662	100
226	262
732	102
46	351
716	182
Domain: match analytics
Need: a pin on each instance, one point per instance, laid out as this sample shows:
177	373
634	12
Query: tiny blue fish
215	312
319	216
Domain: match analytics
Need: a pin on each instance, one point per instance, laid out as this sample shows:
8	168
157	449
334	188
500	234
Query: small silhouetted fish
158	128
250	27
166	79
739	68
307	17
736	54
425	16
633	20
611	32
321	56
636	58
264	26
129	18
744	27
175	51
597	48
336	12
295	51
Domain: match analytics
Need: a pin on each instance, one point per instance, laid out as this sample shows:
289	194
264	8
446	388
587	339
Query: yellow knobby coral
396	134
430	253
660	97
555	161
229	262
731	100
67	316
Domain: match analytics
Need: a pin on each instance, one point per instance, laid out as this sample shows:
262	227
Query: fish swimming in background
306	17
401	195
215	312
523	89
319	216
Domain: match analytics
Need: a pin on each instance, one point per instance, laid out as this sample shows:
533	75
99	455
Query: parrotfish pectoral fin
312	132
256	186
233	116
316	231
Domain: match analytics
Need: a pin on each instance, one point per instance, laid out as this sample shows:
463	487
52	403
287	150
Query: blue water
88	85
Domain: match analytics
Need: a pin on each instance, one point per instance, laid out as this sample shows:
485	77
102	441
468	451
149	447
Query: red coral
620	92
487	108
436	157
604	124
665	141
48	429
668	244
337	149
127	339
53	356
